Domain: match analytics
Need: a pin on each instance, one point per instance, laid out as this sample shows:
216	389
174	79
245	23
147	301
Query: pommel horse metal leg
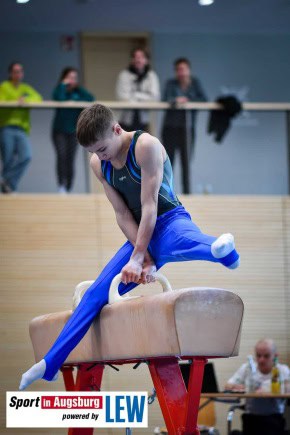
89	377
179	406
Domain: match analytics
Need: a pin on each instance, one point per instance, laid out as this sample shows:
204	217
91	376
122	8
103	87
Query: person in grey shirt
182	89
263	416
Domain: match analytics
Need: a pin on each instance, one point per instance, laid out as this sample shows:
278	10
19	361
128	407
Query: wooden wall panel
286	225
50	243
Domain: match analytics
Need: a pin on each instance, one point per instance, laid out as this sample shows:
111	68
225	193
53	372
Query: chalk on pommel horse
191	323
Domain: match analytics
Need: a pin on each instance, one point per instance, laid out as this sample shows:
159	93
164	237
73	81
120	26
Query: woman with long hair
64	126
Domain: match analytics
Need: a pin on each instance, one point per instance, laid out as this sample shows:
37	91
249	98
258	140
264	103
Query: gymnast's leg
91	304
181	240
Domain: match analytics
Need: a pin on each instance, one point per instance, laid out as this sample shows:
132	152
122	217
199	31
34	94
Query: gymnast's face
109	147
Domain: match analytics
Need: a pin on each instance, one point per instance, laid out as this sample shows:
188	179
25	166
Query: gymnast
136	174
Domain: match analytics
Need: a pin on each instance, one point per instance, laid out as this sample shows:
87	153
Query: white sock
34	373
223	246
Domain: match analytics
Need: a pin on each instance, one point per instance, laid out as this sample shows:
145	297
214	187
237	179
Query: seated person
263	416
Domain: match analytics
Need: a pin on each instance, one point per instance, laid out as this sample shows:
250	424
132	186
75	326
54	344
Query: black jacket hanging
220	120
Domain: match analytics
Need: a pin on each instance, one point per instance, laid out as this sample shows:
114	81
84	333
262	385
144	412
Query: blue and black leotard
127	181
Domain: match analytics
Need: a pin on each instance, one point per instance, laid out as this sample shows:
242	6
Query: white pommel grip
114	295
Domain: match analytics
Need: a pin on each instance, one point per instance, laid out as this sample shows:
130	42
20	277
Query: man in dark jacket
182	89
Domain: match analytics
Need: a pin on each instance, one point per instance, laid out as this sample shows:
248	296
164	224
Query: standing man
182	89
14	127
137	83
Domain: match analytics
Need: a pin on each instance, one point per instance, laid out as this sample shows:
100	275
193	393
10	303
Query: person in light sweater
137	83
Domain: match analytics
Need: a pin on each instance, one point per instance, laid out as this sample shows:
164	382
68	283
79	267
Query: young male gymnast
137	177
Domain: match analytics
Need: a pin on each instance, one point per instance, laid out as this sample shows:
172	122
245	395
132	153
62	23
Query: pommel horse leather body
191	323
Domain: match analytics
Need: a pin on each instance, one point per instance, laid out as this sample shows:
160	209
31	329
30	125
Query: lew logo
122	178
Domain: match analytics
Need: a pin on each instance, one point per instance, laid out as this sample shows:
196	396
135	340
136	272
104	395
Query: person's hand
181	100
71	84
148	272
238	388
66	82
131	272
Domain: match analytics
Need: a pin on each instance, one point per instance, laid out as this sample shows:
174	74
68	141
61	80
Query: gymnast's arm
124	216
150	159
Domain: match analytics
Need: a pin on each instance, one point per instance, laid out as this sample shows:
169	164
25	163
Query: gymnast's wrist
138	256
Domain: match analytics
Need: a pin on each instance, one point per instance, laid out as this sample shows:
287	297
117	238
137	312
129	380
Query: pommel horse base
190	324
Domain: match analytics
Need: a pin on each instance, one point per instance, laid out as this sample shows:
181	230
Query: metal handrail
49	104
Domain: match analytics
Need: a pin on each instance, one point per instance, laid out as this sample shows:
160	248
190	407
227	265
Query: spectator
14	127
64	126
263	416
182	89
137	83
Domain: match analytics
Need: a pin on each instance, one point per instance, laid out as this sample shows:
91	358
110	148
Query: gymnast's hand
148	270
131	272
148	273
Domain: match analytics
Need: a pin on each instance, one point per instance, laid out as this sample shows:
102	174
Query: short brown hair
182	60
93	124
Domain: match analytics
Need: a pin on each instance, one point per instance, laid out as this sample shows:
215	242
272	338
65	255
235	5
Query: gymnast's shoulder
95	164
148	147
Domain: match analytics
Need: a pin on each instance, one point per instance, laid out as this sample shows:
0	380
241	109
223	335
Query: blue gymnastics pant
175	238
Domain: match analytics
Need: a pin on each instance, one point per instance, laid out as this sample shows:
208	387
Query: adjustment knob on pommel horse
190	324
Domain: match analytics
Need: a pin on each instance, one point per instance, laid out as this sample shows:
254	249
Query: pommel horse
187	324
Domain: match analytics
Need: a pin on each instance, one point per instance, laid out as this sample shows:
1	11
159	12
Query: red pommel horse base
191	324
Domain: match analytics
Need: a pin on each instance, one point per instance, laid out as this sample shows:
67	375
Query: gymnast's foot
33	374
222	246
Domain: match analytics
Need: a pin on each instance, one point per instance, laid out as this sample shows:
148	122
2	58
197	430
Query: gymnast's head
99	132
